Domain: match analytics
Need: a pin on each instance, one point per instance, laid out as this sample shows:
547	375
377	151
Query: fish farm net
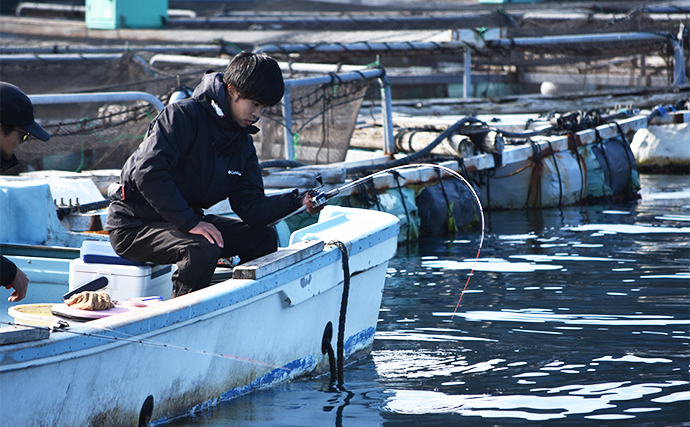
323	119
87	136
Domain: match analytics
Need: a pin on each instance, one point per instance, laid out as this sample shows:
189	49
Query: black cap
16	110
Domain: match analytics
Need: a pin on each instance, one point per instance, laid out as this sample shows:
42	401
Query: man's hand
20	285
209	231
310	208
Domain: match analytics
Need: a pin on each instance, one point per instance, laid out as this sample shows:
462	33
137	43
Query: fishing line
333	193
453	173
129	339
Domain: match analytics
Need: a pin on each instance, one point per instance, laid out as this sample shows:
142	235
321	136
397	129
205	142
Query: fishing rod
318	198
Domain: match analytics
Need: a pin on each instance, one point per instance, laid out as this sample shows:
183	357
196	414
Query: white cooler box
124	281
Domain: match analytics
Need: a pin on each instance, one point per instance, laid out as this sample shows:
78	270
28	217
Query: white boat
275	320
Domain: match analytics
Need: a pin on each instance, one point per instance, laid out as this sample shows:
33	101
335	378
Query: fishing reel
317	197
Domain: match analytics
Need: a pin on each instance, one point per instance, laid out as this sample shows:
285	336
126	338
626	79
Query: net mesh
88	136
323	119
84	135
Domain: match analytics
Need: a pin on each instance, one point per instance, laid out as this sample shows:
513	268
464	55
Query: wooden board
16	334
282	258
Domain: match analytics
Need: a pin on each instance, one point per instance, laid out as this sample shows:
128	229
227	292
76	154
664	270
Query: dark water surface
577	316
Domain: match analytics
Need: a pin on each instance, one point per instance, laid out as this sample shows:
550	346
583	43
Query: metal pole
679	58
358	47
287	115
575	39
467	89
223	62
347	77
60	57
61	50
387	106
106	97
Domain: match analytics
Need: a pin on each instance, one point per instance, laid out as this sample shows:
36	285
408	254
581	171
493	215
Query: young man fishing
17	124
197	152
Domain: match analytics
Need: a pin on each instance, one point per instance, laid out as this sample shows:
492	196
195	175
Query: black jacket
8	271
6	164
192	158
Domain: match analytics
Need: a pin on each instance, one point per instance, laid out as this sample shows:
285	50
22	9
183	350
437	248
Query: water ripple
545	316
569	400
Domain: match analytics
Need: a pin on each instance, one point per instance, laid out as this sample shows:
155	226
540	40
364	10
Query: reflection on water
575	316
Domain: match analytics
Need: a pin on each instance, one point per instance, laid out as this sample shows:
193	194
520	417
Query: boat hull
213	344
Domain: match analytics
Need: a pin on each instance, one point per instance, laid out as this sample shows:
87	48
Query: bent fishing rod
318	198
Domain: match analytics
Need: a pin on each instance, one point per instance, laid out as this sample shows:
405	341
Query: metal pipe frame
160	58
60	57
197	48
78	98
359	47
72	57
386	101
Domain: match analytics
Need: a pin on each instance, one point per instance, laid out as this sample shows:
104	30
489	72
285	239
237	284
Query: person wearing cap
16	125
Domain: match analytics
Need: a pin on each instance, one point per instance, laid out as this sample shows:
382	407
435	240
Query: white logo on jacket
219	111
231	172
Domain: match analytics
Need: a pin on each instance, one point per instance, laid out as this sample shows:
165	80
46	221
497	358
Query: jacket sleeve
250	203
8	271
169	138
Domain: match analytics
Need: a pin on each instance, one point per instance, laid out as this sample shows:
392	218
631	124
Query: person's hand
310	208
209	231
20	285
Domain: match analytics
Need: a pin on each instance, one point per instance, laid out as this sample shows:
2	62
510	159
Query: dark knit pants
196	258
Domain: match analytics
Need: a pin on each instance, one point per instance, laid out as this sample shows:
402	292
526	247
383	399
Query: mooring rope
343	309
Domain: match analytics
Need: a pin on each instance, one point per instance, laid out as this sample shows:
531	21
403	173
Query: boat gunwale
181	311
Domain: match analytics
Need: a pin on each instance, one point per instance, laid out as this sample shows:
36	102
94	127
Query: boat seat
126	279
101	252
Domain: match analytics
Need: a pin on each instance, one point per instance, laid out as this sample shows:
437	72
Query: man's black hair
257	77
7	129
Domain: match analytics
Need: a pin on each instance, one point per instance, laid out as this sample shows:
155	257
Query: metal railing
76	98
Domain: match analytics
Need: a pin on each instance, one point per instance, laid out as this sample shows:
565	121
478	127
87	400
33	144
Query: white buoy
662	147
548	88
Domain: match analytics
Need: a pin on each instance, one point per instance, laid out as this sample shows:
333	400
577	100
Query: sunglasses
25	135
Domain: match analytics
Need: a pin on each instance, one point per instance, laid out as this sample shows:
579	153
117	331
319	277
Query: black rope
628	154
326	347
343	309
397	175
280	164
602	145
449	210
558	172
418	155
536	177
626	146
463	167
488	186
572	146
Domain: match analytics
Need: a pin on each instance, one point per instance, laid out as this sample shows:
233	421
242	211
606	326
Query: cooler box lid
101	269
101	252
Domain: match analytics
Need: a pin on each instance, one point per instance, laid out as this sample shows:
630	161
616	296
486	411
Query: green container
112	14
